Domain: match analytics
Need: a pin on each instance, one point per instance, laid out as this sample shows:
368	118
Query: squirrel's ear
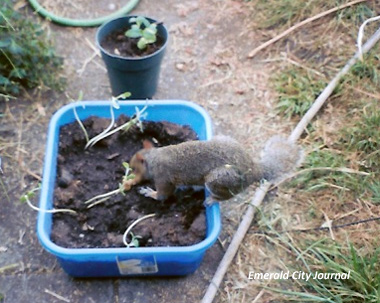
140	157
147	144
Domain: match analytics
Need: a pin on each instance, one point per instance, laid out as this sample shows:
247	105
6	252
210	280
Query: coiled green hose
85	22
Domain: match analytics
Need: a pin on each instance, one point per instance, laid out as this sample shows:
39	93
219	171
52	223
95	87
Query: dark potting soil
83	174
117	43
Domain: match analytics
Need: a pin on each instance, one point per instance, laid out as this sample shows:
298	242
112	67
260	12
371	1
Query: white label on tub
147	265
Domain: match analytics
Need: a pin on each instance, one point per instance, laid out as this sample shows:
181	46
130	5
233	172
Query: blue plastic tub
121	262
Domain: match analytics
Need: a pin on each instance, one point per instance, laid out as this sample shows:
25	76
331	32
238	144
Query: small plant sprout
80	97
103	134
114	104
143	29
115	100
126	126
30	195
134	241
123	186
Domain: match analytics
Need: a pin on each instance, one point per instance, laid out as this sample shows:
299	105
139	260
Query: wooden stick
235	243
300	24
263	189
330	88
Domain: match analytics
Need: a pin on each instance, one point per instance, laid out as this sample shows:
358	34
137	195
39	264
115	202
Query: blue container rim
161	49
67	253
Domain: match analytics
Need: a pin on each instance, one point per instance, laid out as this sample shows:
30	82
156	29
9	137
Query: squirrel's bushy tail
279	158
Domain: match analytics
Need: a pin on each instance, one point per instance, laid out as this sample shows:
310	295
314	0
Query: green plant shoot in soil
123	186
142	29
26	198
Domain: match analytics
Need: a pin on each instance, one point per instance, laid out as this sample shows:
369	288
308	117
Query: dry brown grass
320	49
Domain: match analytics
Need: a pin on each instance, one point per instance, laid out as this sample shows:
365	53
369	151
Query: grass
344	134
276	14
317	254
297	89
363	286
284	13
364	136
356	147
366	70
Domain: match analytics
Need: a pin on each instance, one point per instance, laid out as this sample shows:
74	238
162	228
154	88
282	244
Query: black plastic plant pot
137	75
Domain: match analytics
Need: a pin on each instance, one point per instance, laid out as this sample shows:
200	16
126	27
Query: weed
324	258
27	57
364	136
297	89
367	69
326	261
374	190
342	182
356	14
282	12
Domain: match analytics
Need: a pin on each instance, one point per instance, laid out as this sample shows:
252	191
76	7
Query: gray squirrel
221	164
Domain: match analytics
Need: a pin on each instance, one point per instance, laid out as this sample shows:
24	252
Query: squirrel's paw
209	201
148	192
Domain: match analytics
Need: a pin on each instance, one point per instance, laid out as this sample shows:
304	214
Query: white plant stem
104	133
133	225
108	132
49	211
101	198
263	189
81	124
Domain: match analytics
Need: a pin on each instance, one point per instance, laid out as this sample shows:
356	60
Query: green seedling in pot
143	29
136	120
30	195
123	187
134	239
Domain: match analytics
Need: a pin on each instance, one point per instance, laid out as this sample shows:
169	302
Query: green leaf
133	33
131	177
5	43
135	242
150	38
4	80
124	95
142	43
152	29
133	20
142	20
15	48
135	27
